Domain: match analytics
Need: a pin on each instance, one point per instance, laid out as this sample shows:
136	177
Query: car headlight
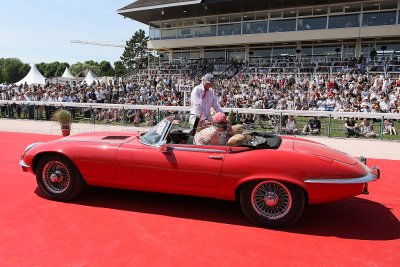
29	147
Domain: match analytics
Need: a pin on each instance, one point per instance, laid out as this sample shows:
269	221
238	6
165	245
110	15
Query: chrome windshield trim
192	149
23	164
372	175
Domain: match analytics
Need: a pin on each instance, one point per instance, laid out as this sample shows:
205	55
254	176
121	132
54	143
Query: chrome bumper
24	166
372	175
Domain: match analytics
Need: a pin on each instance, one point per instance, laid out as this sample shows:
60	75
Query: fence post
125	118
158	115
280	122
381	129
329	125
92	115
237	117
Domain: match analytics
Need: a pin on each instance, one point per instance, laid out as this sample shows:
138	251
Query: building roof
146	11
138	4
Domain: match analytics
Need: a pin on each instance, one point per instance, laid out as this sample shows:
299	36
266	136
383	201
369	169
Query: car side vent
116	137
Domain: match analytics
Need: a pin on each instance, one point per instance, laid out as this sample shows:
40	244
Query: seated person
351	128
291	126
389	127
367	129
313	126
216	134
248	121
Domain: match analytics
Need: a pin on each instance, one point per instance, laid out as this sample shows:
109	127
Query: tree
13	70
106	69
119	68
77	68
136	53
61	68
93	66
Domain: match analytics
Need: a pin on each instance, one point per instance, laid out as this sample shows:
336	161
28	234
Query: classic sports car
272	177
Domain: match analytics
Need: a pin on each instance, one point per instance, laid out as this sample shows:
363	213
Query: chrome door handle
215	157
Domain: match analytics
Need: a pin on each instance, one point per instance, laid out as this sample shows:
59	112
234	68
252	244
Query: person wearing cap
202	99
216	134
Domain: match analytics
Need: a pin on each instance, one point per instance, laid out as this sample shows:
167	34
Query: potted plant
64	117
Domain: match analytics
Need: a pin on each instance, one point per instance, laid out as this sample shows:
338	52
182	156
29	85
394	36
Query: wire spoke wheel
56	177
271	199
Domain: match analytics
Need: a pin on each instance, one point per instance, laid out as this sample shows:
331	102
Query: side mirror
164	148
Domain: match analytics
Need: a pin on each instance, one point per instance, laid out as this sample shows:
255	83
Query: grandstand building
253	30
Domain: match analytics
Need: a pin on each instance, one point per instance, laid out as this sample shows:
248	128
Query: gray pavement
357	147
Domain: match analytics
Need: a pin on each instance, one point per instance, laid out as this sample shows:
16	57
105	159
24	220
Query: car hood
323	151
103	137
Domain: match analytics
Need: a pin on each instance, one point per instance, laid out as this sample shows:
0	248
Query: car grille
116	137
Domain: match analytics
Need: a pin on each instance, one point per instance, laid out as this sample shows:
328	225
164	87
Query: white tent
89	78
33	77
67	74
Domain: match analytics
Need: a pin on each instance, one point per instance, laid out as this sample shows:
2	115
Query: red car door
179	164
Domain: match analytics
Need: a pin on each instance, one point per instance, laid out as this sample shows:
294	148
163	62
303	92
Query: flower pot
65	132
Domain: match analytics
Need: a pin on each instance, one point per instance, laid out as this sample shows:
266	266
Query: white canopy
89	78
67	74
33	77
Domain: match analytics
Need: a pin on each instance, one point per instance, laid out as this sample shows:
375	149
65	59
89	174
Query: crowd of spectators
349	90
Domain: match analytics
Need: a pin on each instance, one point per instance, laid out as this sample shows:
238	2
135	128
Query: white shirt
201	106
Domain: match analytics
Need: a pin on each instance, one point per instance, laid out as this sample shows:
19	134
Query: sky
41	30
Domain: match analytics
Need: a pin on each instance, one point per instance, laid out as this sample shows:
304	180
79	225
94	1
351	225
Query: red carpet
113	227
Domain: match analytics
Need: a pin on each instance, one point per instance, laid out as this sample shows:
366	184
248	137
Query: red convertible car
272	177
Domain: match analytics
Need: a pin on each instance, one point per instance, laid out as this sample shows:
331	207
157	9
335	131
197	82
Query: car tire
272	204
58	178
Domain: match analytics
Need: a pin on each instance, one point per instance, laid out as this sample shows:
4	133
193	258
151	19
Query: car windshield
154	136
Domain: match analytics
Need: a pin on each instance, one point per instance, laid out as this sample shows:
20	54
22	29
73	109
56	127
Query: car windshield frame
157	134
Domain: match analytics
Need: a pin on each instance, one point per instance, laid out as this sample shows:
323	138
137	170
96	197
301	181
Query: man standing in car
202	99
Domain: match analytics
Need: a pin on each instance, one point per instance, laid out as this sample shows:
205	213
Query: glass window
391	48
349	51
345	21
352	8
223	19
320	11
263	52
214	54
371	6
237	55
305	12
205	31
276	14
324	50
185	33
381	18
311	24
289	13
229	29
205	21
255	27
164	56
282	25
195	54
235	18
249	16
284	51
262	15
392	4
168	34
184	23
336	9
154	33
306	51
166	24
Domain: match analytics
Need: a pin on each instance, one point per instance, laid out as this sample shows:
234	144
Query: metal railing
266	119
